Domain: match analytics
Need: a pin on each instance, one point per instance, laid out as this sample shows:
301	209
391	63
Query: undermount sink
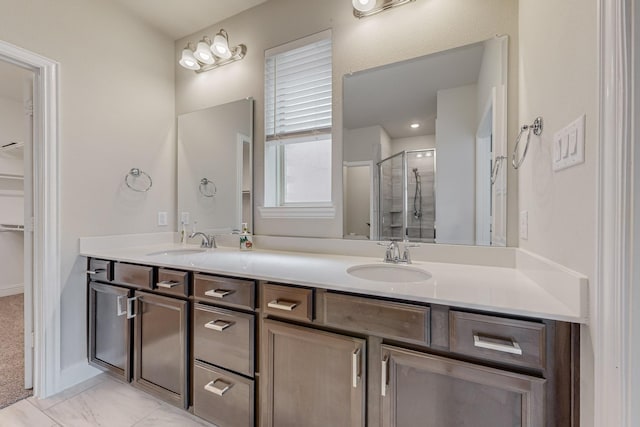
181	251
389	273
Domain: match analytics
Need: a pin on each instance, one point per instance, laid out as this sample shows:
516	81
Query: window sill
324	212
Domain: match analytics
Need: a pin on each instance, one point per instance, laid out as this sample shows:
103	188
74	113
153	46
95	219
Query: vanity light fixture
364	8
208	55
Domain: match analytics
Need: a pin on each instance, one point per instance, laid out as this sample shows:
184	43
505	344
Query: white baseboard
5	291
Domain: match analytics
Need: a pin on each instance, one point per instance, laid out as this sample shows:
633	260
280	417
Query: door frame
44	224
612	312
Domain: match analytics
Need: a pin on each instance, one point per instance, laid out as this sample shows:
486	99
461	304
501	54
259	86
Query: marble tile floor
100	401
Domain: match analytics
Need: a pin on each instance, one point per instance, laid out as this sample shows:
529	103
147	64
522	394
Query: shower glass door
407	196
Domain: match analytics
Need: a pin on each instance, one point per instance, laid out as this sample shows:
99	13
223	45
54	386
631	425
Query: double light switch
568	145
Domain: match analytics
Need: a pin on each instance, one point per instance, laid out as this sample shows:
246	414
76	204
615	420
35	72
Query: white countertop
497	289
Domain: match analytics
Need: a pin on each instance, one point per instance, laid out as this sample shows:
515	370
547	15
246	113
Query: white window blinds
298	91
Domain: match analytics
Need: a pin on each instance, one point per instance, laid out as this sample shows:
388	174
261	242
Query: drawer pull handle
218	325
168	284
514	348
211	387
385	375
96	271
218	293
355	367
282	305
121	305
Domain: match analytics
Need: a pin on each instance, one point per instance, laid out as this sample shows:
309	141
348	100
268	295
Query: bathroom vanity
279	338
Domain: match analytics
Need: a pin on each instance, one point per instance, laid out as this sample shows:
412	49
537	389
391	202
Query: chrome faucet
392	254
208	241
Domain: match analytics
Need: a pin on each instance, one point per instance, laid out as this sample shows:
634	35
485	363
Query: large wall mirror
215	177
424	148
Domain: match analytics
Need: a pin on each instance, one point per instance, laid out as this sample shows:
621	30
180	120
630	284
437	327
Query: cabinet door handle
384	378
96	271
355	367
131	307
218	293
219	391
514	348
168	284
282	305
218	325
121	305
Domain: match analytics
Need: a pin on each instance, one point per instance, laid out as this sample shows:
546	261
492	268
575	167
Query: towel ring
205	189
137	173
536	127
496	168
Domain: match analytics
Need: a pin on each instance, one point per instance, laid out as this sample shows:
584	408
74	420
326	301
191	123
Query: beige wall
416	29
116	113
558	81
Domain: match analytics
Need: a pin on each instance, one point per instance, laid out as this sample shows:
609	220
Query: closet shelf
11	227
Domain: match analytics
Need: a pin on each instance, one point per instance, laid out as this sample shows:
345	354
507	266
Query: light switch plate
162	218
524	225
568	145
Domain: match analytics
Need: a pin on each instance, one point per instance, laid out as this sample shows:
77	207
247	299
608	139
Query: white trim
6	291
320	212
613	267
46	250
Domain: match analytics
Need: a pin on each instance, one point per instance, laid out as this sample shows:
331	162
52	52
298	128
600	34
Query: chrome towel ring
536	127
496	168
131	179
207	188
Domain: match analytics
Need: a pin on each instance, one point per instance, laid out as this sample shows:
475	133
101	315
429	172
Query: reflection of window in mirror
298	122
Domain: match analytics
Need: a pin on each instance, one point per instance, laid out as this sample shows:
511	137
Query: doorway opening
16	302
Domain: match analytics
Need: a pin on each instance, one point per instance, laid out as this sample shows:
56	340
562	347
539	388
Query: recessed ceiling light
415	125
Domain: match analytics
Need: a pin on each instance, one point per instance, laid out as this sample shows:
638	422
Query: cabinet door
160	353
109	329
313	378
427	390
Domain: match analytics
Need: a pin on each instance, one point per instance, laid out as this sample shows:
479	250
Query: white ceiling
179	18
396	95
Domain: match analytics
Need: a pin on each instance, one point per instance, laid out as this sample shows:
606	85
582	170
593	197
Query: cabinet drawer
225	291
173	282
138	276
221	397
498	339
100	269
224	338
288	301
378	317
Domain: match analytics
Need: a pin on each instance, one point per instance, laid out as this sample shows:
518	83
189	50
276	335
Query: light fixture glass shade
220	45
203	53
187	60
364	5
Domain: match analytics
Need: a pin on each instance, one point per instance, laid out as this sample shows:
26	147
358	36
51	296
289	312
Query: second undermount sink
389	273
179	251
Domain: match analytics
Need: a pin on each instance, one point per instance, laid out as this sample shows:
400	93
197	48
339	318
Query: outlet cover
524	225
184	218
568	145
162	219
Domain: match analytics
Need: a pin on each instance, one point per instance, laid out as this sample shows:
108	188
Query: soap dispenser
246	239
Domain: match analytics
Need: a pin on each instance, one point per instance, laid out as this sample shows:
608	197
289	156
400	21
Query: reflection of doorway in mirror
358	221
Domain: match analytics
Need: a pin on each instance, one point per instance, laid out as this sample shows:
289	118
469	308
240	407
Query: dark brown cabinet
312	378
160	347
139	336
423	389
109	329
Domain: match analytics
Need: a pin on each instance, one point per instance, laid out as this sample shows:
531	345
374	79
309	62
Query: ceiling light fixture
415	125
364	8
209	55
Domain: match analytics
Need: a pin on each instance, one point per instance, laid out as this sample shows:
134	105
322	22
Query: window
298	123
